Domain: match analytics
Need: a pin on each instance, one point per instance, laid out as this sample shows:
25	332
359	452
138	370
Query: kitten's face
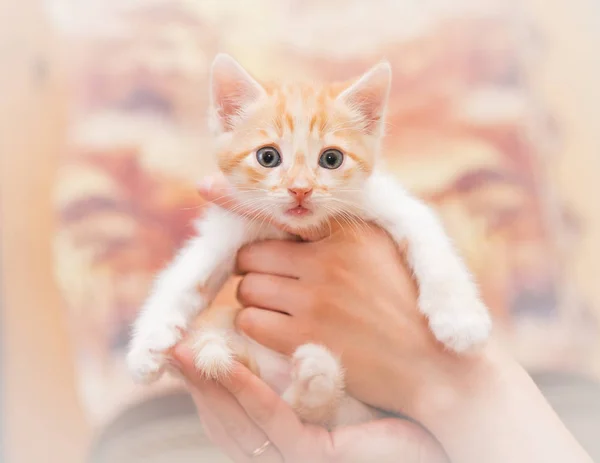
296	153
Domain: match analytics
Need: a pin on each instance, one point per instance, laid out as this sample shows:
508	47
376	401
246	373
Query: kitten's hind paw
461	330
317	380
214	357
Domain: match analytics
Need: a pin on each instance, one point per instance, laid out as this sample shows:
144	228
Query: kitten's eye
331	159
268	157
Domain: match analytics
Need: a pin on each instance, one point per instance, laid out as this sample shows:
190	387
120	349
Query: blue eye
331	159
268	157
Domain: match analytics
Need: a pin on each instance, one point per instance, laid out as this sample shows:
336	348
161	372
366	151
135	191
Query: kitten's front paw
148	354
461	326
145	365
317	376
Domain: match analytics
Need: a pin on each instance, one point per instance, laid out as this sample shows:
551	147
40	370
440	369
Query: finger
215	432
237	430
277	331
266	409
226	420
216	189
284	258
220	436
394	437
274	292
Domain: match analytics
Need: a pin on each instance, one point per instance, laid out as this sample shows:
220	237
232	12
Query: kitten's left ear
369	95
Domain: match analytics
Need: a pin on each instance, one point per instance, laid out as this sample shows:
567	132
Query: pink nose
300	194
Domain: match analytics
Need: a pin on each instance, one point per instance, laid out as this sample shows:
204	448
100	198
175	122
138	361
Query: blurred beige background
44	418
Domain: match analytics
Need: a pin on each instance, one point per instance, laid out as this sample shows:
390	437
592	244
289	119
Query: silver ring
260	450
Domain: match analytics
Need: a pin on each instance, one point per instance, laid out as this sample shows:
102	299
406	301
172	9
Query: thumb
217	190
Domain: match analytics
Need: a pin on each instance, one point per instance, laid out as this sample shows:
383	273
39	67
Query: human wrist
492	411
463	384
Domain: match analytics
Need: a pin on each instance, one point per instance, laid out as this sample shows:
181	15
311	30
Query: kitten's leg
184	288
448	295
317	393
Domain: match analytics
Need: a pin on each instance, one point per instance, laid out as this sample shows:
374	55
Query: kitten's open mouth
298	211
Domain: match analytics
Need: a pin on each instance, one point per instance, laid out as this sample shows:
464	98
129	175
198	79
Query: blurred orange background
45	396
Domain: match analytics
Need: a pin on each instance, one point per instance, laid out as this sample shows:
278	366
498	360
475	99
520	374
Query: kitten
300	155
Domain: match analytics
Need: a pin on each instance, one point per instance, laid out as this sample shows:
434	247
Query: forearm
494	413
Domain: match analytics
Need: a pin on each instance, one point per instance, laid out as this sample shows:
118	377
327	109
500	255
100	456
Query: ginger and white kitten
300	155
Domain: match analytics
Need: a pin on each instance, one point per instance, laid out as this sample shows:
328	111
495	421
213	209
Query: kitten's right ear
232	91
369	96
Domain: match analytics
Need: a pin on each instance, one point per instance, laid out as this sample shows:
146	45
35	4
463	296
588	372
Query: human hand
353	293
244	413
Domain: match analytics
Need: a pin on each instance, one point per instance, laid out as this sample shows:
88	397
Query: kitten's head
297	153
